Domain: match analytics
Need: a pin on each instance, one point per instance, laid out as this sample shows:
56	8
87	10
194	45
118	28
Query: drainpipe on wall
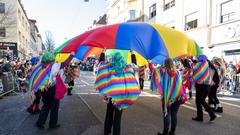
209	23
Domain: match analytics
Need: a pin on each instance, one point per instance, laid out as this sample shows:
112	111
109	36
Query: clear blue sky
64	18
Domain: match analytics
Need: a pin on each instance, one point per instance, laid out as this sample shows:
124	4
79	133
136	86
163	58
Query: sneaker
197	119
55	127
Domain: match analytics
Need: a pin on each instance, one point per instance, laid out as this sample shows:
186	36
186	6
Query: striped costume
122	87
170	87
38	77
201	73
221	73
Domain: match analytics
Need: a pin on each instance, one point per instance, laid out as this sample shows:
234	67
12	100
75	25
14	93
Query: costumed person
72	72
151	68
202	80
187	76
48	81
141	72
168	82
218	78
117	83
34	108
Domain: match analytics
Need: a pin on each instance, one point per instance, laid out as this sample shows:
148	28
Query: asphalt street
84	113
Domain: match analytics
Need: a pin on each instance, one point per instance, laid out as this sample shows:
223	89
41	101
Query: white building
189	16
119	11
225	29
213	24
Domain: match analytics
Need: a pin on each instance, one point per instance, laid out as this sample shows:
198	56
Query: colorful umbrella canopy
82	53
152	41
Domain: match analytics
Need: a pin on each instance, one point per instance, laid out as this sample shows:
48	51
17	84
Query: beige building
15	29
101	21
35	48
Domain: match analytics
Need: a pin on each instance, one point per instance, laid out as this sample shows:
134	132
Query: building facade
16	29
119	11
189	16
225	29
35	48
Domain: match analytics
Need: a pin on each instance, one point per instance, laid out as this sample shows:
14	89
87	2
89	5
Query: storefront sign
11	46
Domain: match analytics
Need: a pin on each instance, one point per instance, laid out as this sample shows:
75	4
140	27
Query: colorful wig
48	57
34	60
118	62
202	57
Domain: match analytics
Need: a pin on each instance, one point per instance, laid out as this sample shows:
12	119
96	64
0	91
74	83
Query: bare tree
49	41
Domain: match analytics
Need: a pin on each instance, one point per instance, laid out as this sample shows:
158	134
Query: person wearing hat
202	80
50	103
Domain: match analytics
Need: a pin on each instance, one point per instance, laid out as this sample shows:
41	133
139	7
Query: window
132	15
152	11
168	4
227	12
20	37
2	32
2	7
191	21
22	21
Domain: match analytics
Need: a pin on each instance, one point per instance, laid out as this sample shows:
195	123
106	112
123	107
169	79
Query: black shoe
162	133
219	110
212	118
55	127
39	126
171	133
30	110
36	111
197	119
